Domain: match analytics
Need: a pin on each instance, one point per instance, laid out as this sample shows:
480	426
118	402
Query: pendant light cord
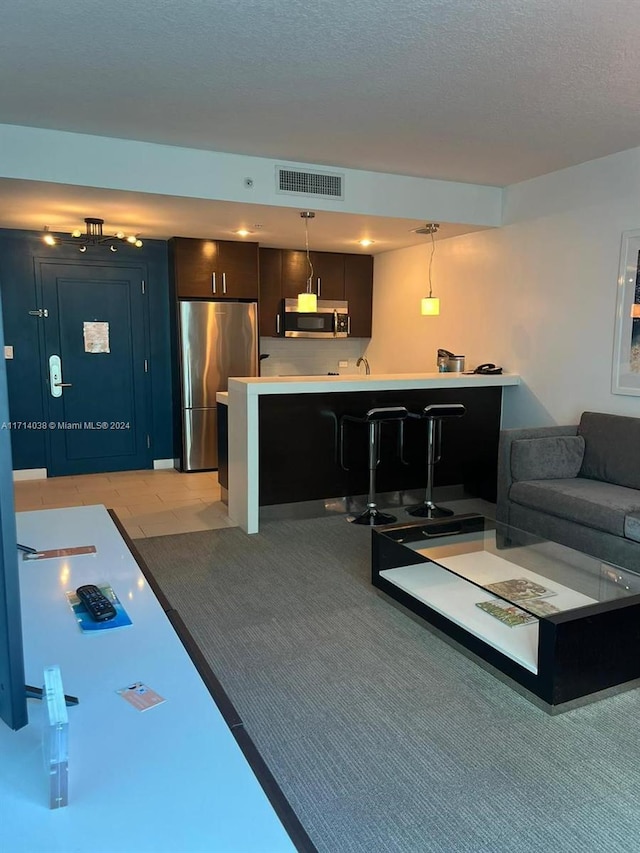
433	248
306	237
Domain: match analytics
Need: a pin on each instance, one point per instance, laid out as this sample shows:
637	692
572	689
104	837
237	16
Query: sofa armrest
505	475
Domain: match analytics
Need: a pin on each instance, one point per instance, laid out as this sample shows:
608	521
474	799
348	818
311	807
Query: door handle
55	376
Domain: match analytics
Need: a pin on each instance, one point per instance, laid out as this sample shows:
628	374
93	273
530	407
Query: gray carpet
383	737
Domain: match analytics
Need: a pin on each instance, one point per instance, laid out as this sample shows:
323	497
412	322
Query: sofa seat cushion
600	505
632	526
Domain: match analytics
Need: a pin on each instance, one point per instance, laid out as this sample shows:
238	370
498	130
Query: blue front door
98	401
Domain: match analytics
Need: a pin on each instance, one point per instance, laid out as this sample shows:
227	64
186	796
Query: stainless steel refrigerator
217	340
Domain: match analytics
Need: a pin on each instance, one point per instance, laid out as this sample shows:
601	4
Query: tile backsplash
308	357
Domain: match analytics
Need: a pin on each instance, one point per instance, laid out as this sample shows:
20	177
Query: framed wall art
625	377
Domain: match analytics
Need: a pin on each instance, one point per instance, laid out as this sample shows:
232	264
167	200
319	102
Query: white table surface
171	778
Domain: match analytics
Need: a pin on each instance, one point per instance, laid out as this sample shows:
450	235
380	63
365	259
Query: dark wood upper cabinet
214	269
284	274
295	273
328	275
270	290
358	291
326	271
239	269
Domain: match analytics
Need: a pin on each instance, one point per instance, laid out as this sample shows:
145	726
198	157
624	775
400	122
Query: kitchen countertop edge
259	385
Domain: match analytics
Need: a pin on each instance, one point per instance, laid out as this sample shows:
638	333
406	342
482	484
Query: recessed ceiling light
242	232
366	242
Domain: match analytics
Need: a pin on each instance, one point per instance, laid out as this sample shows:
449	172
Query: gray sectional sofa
577	485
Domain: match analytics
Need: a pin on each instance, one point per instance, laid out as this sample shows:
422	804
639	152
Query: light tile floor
148	503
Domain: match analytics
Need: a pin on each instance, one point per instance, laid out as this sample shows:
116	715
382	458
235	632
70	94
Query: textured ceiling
480	91
484	91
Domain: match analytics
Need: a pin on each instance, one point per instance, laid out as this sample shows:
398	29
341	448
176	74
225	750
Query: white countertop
257	385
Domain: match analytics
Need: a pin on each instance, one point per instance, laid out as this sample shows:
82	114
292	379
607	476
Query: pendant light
307	301
430	305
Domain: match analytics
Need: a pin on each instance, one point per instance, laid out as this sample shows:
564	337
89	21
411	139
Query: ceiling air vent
295	182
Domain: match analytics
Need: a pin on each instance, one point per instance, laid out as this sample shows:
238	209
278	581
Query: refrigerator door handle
213	283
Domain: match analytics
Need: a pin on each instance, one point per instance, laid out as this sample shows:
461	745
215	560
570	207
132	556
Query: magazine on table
519	589
508	614
541	607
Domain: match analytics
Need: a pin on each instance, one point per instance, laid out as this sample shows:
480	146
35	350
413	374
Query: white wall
537	296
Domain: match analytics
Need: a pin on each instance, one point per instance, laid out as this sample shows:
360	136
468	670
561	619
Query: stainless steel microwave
330	320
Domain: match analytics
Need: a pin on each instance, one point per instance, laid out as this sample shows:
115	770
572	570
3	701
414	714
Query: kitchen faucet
363	360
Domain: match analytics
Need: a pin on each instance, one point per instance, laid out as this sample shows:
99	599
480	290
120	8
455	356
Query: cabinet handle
213	282
224	282
349	324
277	324
318	287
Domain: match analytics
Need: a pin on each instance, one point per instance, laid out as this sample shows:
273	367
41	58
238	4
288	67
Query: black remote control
97	604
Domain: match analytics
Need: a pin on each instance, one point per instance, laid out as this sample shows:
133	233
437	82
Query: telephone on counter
489	369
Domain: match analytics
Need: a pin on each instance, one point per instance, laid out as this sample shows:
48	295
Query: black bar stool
434	414
375	418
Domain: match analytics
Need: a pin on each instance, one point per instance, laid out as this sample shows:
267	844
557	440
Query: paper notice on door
96	337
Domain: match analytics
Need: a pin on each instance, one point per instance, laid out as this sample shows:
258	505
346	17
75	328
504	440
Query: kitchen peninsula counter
283	436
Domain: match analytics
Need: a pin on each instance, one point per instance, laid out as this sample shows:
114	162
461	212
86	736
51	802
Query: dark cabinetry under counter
223	448
214	269
299	456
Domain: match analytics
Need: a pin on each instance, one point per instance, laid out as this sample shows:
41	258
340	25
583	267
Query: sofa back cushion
555	457
612	448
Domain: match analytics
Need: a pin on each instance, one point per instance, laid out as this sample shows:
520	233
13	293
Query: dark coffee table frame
580	652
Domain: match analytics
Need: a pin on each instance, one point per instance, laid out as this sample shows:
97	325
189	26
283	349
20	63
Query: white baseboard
41	473
158	464
30	474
